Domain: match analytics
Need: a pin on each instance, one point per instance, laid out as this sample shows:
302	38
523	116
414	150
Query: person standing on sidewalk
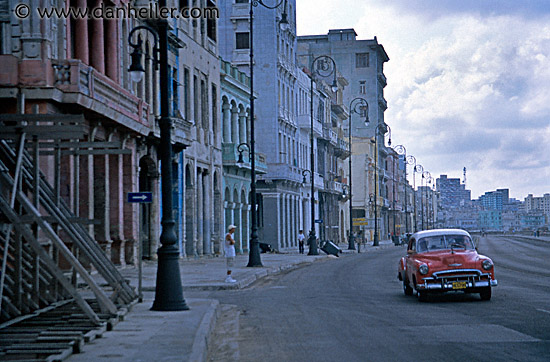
301	238
229	249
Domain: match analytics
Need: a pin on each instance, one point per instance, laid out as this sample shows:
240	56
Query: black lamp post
428	198
385	129
417	169
402	151
254	259
360	106
409	160
425	175
168	291
320	66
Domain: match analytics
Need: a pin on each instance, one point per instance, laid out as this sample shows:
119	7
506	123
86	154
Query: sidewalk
146	335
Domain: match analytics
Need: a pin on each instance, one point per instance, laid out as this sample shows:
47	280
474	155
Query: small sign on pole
140	197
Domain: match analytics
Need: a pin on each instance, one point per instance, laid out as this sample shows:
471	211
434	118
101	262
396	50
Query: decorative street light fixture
254	259
384	130
323	66
417	169
409	160
425	175
402	151
168	291
360	106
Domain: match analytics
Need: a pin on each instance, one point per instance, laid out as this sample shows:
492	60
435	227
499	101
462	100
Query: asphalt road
353	309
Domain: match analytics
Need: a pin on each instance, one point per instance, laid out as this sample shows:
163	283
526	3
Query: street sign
140	197
358	223
319	221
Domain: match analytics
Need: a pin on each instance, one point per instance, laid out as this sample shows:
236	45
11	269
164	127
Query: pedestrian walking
229	249
301	238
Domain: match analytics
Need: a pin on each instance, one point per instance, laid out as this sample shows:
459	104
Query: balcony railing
101	94
330	135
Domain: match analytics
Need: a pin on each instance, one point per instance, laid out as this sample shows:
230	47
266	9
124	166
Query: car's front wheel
407	288
485	294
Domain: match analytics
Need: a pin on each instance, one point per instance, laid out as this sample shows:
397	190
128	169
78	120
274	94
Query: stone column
200	213
81	42
226	119
242	127
234	125
97	56
111	49
116	212
207	214
102	202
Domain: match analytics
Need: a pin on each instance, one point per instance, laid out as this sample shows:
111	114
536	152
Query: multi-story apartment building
235	88
200	174
80	67
538	203
361	63
282	124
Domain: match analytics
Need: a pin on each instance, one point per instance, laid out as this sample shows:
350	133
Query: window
211	22
362	87
241	1
214	109
361	60
242	40
186	94
184	4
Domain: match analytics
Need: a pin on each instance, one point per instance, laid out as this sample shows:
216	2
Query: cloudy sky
468	83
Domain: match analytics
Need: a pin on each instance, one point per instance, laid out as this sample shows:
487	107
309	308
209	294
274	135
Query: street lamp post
384	131
360	106
322	67
417	169
402	151
254	259
168	291
409	160
425	175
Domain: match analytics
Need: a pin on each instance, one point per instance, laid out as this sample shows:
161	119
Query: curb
204	333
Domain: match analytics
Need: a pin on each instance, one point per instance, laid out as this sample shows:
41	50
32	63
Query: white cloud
465	89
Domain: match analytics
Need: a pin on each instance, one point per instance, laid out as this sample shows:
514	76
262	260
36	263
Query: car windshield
441	242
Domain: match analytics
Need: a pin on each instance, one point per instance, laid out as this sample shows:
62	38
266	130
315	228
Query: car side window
412	245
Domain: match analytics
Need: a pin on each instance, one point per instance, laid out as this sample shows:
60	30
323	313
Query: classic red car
444	260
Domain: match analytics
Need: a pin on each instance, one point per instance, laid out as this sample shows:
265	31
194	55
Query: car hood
440	260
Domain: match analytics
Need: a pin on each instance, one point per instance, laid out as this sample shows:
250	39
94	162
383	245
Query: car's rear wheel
407	288
485	294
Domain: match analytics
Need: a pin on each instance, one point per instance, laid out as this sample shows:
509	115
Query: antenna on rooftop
464	181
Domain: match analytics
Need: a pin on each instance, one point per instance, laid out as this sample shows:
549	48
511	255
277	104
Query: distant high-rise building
452	193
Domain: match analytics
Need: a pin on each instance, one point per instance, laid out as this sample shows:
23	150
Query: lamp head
136	68
334	86
283	23
240	159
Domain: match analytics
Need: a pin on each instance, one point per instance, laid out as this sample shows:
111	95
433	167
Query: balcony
330	135
83	85
382	79
334	187
342	149
286	64
230	156
240	12
382	102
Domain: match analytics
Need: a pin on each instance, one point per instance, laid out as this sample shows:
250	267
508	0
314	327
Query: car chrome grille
444	279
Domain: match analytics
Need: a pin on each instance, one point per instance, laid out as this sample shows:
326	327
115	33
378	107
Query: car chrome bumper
440	285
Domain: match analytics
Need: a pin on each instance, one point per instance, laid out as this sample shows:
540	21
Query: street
353	309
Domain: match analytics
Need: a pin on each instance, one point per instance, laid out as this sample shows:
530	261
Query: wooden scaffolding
47	252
